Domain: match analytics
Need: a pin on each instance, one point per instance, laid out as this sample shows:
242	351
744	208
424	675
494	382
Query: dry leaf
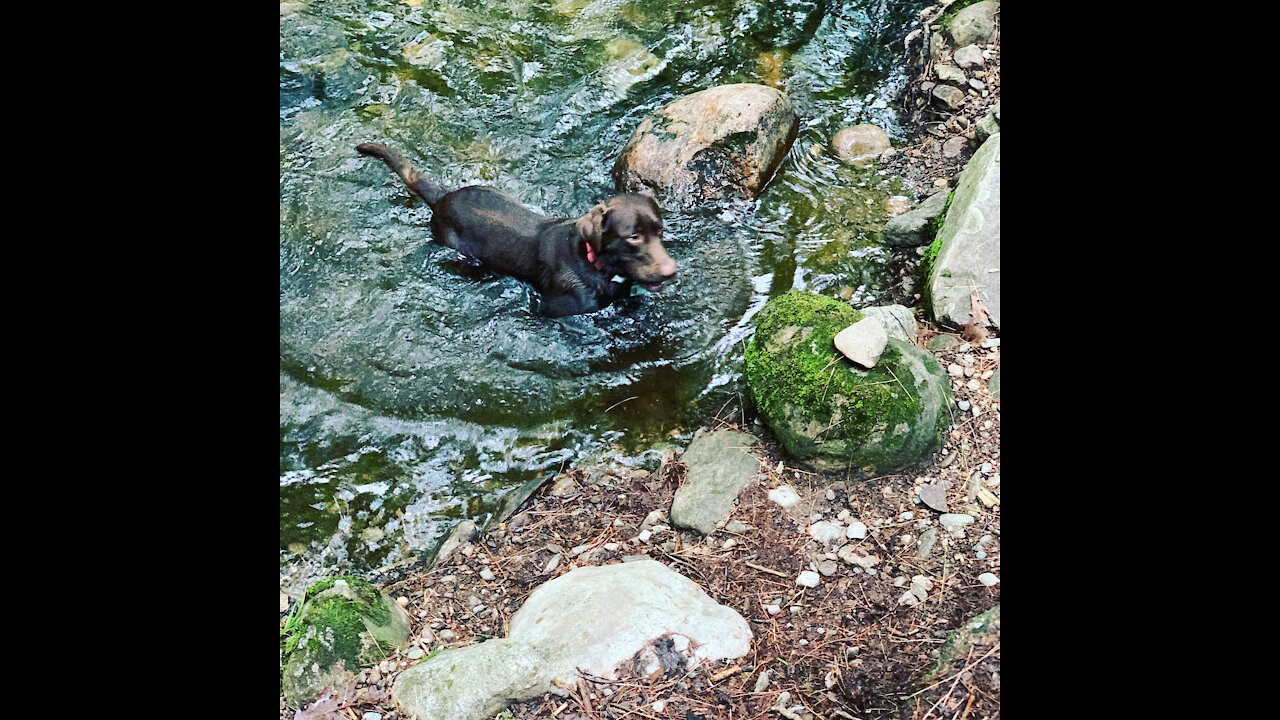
975	331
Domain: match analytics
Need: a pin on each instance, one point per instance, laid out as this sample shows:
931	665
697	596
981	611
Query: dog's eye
635	240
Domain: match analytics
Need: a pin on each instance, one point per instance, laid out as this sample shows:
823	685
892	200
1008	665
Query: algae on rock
344	623
830	414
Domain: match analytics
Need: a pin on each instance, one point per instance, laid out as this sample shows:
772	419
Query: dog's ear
646	191
591	226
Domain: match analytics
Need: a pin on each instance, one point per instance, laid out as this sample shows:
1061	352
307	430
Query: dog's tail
423	187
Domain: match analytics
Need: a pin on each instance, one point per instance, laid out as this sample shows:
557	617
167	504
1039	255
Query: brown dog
571	261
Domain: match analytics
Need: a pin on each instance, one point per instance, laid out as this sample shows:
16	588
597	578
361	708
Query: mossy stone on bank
830	414
982	630
344	623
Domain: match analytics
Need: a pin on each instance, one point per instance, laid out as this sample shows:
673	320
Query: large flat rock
720	465
968	259
635	616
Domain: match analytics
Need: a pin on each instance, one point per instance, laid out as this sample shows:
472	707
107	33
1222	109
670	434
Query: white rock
826	532
808	579
953	522
988	579
784	496
853	555
486	574
863	341
659	705
415	653
856	531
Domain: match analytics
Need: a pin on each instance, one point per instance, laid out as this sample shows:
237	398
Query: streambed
415	392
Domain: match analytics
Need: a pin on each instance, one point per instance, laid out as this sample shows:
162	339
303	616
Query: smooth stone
915	227
863	341
926	542
720	466
826	531
969	57
856	531
897	321
954	146
718	142
784	496
953	522
935	496
859	144
950	96
941	342
969	243
595	618
950	74
988	579
853	555
808	579
974	24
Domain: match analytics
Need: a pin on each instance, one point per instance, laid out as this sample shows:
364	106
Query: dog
573	262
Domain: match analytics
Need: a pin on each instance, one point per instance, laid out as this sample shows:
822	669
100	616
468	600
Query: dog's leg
575	303
423	187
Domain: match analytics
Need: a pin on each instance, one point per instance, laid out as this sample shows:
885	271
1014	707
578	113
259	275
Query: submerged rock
968	245
641	616
830	414
720	465
859	144
344	623
726	140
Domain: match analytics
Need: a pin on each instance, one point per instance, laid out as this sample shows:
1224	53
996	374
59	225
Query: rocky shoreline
868	590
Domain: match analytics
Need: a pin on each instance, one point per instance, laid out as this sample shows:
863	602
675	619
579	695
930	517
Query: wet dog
571	261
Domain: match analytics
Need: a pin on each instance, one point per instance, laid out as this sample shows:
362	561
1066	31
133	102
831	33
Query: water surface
414	392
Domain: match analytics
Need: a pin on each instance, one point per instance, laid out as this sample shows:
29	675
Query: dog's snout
667	269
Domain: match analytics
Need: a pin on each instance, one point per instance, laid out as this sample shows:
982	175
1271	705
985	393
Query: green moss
926	267
951	12
819	403
344	615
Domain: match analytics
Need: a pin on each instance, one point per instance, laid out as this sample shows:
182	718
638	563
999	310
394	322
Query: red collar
591	257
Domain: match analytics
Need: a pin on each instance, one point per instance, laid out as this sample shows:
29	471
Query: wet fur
548	253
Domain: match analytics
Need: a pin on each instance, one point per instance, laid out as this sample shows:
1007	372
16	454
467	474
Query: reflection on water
412	393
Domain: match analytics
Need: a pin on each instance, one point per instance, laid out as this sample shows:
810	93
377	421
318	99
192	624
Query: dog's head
625	234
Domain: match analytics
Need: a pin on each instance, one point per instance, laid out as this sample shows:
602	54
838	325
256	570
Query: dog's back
491	226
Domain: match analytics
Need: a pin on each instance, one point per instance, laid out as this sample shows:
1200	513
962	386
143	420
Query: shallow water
414	392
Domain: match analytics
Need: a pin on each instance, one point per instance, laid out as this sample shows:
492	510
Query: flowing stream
414	392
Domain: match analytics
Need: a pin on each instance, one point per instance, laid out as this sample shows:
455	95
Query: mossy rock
344	624
831	414
983	630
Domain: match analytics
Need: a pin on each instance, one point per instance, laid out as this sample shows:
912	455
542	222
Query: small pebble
808	579
486	574
988	579
831	494
415	653
402	601
963	405
659	705
645	535
773	609
856	531
955	370
371	715
973	384
982	554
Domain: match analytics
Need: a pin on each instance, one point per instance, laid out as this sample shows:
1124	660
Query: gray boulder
917	226
476	681
720	465
897	321
859	144
974	24
827	412
594	618
726	140
968	246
